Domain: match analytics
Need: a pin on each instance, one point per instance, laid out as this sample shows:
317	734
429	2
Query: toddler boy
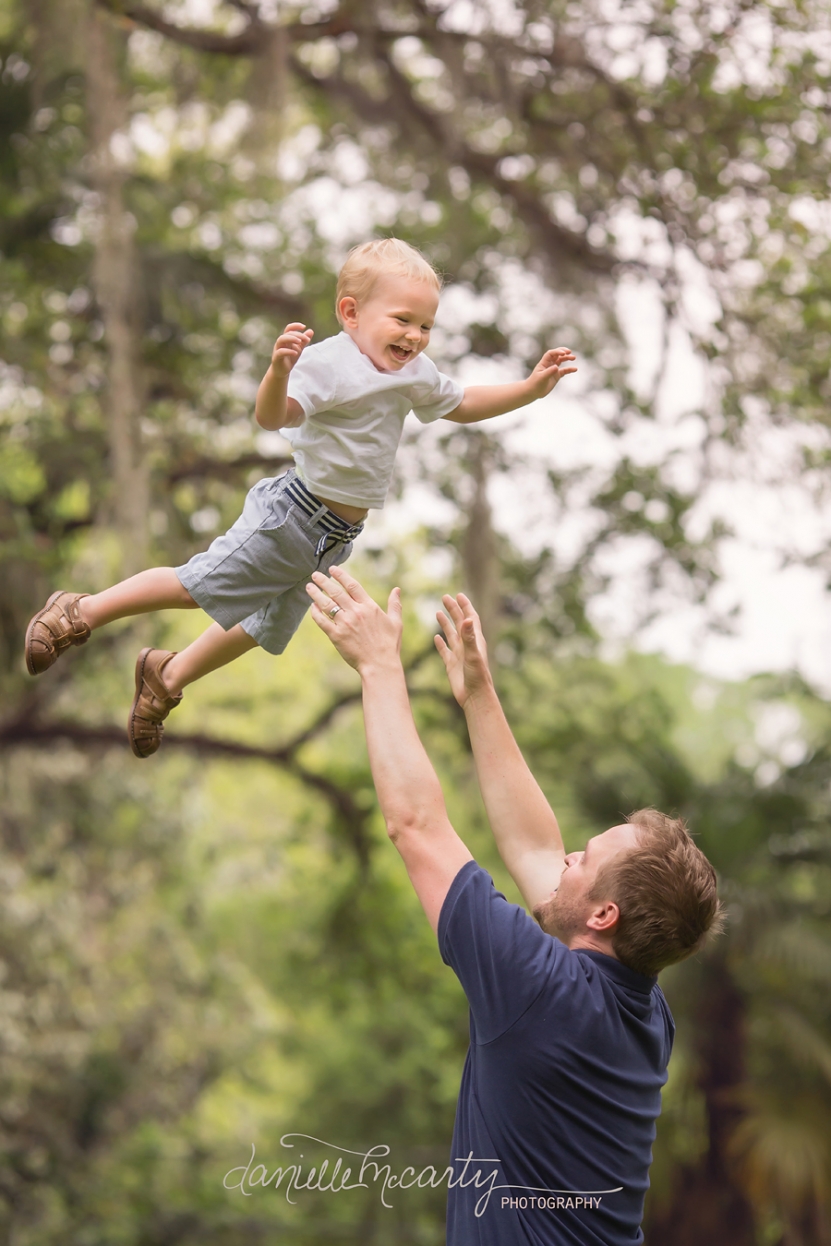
342	404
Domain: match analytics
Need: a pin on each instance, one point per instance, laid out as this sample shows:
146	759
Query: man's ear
604	918
348	308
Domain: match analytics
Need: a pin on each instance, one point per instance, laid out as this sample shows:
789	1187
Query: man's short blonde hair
371	260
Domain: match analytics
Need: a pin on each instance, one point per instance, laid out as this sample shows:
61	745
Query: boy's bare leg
68	618
214	648
161	676
158	588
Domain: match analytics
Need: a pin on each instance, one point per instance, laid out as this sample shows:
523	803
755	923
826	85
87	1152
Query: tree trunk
707	1205
480	561
116	280
57	43
267	94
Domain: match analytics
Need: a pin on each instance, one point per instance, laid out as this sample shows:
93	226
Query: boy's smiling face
392	326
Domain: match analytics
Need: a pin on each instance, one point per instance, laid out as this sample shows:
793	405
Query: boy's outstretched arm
408	788
482	402
524	825
273	408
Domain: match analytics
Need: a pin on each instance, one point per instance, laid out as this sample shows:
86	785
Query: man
570	1034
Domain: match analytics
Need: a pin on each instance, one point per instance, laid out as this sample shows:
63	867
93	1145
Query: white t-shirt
345	447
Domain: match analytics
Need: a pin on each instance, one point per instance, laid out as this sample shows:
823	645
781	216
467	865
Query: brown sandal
53	629
152	702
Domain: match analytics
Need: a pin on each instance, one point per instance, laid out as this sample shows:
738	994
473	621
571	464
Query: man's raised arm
524	825
408	788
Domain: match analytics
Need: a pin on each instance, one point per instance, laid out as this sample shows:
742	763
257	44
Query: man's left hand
363	634
463	648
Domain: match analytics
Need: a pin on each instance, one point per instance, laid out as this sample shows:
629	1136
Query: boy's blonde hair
369	261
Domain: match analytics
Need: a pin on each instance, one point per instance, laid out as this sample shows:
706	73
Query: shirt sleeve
441	395
499	954
311	381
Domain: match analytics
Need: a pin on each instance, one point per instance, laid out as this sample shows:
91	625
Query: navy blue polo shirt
562	1083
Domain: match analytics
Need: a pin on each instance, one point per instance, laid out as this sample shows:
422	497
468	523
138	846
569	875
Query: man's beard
562	916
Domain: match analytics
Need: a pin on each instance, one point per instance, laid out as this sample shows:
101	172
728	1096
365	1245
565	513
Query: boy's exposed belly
352	514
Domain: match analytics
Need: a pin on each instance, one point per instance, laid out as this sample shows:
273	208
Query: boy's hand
549	370
463	648
288	348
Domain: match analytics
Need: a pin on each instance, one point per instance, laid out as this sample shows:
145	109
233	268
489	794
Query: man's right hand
288	348
463	648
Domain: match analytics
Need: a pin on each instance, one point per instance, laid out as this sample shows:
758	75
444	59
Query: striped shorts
256	573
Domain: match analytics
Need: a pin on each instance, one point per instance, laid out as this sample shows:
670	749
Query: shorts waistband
319	512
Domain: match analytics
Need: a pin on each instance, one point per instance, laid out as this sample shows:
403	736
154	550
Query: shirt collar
619	972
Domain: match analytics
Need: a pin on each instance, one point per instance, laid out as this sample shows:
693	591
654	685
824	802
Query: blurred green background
216	948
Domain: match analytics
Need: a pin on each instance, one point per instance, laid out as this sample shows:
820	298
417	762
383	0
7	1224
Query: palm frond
804	1042
795	948
781	1159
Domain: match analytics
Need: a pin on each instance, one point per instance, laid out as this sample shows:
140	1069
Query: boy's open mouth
401	353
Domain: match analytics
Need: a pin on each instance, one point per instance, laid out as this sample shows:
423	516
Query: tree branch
530	209
250	41
247	43
555	238
350	816
29	729
351	698
180	267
